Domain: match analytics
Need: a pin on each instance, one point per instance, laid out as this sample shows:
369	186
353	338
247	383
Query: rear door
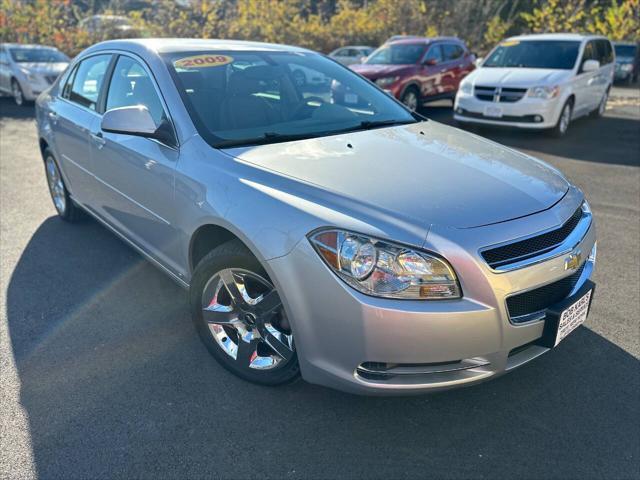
5	70
71	117
586	83
432	72
136	174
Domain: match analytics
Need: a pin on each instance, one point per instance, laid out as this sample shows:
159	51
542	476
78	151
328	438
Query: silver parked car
351	54
28	70
349	241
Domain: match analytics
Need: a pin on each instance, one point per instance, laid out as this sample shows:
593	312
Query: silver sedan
344	239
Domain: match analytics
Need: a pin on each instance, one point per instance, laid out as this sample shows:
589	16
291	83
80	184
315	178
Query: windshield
399	54
243	97
534	54
37	55
625	50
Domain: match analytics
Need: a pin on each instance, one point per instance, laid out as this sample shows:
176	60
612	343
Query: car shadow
8	109
115	383
584	140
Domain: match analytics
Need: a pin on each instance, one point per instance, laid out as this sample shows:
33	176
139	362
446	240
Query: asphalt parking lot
103	376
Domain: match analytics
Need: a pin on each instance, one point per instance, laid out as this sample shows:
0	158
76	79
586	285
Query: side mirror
590	65
430	62
136	120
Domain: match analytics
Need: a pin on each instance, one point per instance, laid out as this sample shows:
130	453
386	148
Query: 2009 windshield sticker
509	43
203	61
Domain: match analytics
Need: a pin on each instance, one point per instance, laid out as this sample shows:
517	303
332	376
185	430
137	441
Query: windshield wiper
267	137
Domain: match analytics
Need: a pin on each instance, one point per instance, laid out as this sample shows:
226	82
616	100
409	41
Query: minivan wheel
602	106
66	208
410	99
16	91
563	121
240	318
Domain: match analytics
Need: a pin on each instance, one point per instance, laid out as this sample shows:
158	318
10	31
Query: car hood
44	68
424	173
377	71
518	77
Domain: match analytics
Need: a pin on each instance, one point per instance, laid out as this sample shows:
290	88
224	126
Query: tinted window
66	91
253	97
88	80
451	51
434	53
131	85
590	52
605	52
559	54
625	50
37	55
396	54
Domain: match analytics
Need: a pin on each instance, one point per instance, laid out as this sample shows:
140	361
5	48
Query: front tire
17	93
239	317
564	120
410	98
66	208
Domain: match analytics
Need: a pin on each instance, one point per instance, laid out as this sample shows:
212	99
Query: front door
71	116
136	174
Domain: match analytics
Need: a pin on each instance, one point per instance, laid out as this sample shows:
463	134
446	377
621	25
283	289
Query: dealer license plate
492	111
573	317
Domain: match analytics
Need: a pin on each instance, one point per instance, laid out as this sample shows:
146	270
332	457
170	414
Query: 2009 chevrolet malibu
347	240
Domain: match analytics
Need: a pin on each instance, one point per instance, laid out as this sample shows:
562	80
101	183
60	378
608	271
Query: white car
28	70
538	81
351	54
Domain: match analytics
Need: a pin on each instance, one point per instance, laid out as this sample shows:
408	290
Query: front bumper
520	114
350	341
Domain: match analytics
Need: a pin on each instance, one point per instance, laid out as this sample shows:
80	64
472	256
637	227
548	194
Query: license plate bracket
493	111
550	337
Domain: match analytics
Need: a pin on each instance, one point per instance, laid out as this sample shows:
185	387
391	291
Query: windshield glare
625	50
560	55
243	97
399	54
37	55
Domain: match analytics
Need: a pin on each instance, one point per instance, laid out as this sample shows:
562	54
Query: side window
66	90
434	53
605	52
131	85
452	51
88	80
590	53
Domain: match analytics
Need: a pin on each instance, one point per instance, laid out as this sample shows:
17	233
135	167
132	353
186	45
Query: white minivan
538	81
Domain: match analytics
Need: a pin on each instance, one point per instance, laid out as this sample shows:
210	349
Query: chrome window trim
566	246
107	84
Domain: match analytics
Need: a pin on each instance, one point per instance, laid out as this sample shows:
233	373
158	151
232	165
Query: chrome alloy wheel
56	186
603	104
16	91
246	318
410	99
565	118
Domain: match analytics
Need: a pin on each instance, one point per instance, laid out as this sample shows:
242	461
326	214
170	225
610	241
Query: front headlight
386	81
544	92
31	77
626	67
384	269
585	207
466	88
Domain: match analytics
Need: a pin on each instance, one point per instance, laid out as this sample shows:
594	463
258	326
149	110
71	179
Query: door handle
98	139
53	116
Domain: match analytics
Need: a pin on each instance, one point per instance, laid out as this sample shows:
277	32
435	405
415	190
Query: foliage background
318	24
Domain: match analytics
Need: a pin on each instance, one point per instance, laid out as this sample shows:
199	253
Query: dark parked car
417	70
627	61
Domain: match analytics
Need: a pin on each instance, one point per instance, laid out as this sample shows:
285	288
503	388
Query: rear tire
210	296
62	201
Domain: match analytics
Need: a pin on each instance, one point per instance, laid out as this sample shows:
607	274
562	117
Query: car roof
423	40
556	36
170	45
27	45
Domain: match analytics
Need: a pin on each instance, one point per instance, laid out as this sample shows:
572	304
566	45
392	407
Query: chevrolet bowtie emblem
572	262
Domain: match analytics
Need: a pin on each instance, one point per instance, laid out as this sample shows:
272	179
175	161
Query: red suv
417	70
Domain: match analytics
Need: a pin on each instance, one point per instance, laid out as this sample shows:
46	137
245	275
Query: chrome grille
531	247
499	94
